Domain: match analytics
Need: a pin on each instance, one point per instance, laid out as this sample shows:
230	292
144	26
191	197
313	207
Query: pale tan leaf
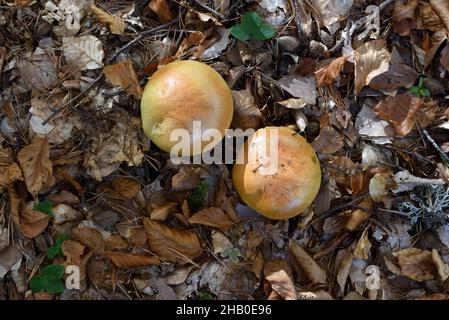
279	274
416	264
176	245
90	237
363	246
84	52
126	187
116	24
442	268
212	217
303	88
343	263
371	59
327	74
162	9
400	111
128	260
380	184
442	9
122	74
15	202
312	269
32	222
73	251
36	165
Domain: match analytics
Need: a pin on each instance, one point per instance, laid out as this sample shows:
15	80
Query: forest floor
81	185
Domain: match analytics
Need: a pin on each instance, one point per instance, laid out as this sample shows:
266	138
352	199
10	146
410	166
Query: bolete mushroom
287	190
180	95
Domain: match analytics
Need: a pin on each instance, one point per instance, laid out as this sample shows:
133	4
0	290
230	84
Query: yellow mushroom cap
180	93
293	186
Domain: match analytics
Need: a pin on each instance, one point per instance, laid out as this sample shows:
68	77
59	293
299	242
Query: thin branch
212	11
436	146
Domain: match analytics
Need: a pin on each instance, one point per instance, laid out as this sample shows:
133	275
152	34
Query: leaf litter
82	185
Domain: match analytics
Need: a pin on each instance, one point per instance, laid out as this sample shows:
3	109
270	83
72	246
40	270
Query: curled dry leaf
212	217
64	213
380	184
343	262
73	251
90	237
115	24
442	9
32	222
416	264
363	246
442	268
278	274
329	141
122	74
327	74
312	269
36	165
175	245
127	188
400	111
162	9
84	52
371	59
128	260
404	16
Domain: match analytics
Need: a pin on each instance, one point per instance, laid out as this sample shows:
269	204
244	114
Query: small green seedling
232	253
55	249
45	206
420	90
49	280
196	198
252	26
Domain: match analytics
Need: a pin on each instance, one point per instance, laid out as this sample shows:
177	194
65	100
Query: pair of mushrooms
185	91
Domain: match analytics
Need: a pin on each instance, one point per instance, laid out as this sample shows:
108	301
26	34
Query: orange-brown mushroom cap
291	188
180	93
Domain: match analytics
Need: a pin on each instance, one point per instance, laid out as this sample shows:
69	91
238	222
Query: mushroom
287	190
179	94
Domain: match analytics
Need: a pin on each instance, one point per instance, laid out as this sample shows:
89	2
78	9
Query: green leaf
55	249
264	32
37	284
420	82
238	32
423	92
45	206
54	286
53	271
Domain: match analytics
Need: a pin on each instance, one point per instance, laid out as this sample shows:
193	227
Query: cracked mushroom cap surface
287	190
180	93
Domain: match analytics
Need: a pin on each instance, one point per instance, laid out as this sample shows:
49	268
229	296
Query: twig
436	146
214	12
295	5
110	59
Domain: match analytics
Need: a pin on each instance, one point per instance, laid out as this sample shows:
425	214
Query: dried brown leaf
400	111
327	74
10	174
416	264
363	246
39	71
90	237
246	113
115	24
122	74
442	268
371	59
397	76
312	269
343	263
162	9
404	16
127	188
128	260
279	274
212	217
32	223
36	166
176	245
